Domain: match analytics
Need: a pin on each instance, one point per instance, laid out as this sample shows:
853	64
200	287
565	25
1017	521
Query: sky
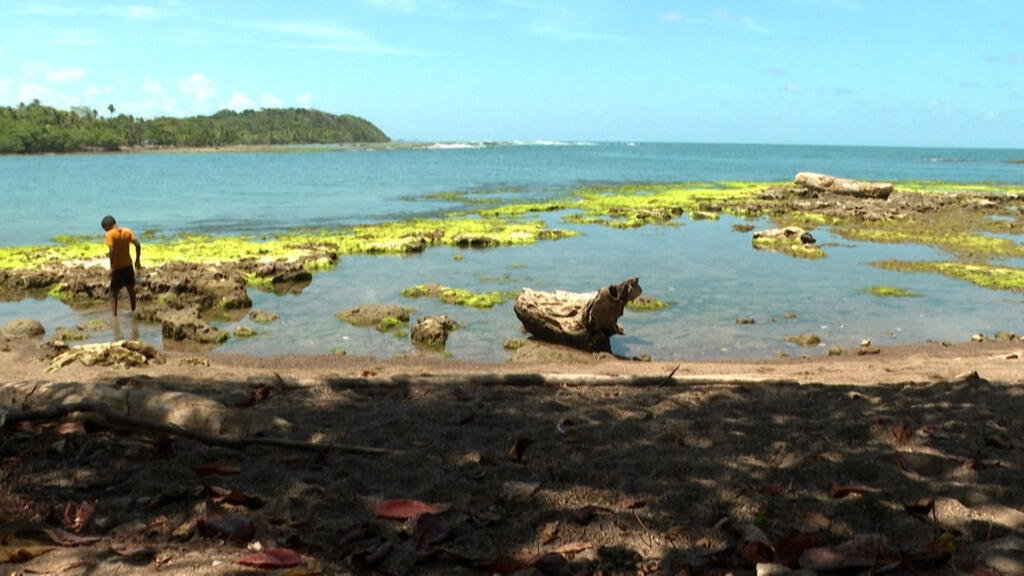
946	73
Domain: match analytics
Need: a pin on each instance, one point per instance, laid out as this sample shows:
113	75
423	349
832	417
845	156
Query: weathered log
581	320
858	188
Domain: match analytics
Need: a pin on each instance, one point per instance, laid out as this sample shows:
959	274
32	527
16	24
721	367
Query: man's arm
138	253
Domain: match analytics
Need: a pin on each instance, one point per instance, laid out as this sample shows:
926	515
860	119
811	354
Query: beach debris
859	188
581	320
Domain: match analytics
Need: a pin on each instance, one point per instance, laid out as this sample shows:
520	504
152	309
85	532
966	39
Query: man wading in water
122	274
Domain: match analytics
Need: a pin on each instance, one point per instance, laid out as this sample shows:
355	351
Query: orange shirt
118	239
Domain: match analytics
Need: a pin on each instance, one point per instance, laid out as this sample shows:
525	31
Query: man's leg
113	302
131	295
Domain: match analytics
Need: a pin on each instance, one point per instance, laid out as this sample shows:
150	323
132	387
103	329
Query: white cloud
199	87
327	36
305	100
135	12
65	74
45	94
151	86
239	101
97	91
271	101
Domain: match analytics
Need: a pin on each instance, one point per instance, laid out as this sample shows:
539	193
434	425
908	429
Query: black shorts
122	278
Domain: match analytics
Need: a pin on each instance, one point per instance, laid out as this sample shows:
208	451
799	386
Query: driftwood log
582	320
858	188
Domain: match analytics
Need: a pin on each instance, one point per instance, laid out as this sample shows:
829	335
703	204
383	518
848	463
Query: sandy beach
907	459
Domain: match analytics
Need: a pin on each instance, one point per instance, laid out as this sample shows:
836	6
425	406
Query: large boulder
23	328
383	317
186	325
432	331
791	240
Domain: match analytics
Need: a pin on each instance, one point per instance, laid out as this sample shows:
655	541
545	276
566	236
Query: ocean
706	270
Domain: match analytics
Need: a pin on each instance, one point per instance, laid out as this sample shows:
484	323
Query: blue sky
859	72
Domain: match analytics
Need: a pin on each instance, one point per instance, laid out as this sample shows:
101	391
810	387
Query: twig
668	378
14	418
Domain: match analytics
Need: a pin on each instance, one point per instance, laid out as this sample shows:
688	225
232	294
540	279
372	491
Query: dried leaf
404	509
836	490
815	520
584	515
923	507
632	504
227	525
515	453
571	548
17	550
788	551
999	441
217	468
65	538
902	432
77	514
72	427
430	531
271	559
225	496
863	551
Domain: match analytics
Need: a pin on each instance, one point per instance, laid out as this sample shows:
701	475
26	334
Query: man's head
108	222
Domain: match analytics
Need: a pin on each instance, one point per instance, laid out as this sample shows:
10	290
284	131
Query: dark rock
380	316
432	331
23	328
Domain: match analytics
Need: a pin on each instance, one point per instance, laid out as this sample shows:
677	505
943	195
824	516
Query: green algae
384	238
890	292
983	275
646	304
783	245
456	296
635	205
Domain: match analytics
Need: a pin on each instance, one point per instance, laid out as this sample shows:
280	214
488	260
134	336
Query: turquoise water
707	270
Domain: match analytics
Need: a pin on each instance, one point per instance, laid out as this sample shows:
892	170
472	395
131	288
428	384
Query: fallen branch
12	419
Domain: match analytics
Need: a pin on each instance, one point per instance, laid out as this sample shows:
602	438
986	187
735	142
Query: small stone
978	338
746	320
865	342
835	351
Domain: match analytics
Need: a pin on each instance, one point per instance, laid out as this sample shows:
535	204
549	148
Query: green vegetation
456	296
35	128
984	275
389	238
646	304
889	292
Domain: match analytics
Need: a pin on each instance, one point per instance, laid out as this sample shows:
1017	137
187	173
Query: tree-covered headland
35	128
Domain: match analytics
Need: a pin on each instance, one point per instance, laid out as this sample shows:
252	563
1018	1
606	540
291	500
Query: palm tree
111	108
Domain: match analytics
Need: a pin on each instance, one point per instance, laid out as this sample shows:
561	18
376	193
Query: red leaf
271	559
217	468
902	433
403	509
77	514
863	551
